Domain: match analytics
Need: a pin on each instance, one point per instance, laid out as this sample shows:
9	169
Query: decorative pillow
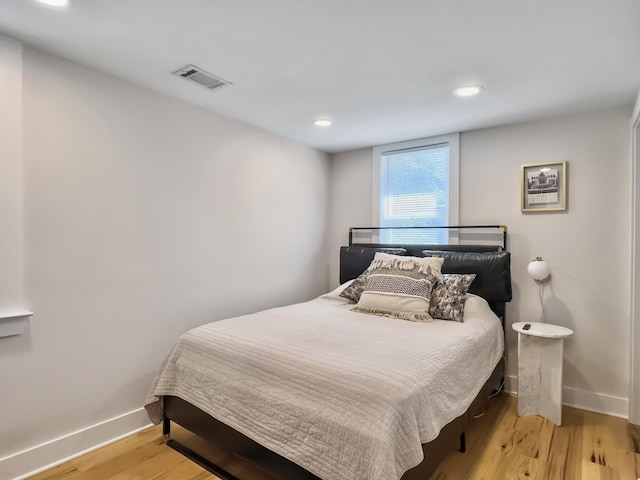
335	293
447	297
354	291
398	288
355	259
435	263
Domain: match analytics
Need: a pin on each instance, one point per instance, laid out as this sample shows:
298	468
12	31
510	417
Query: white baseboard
31	461
583	399
511	384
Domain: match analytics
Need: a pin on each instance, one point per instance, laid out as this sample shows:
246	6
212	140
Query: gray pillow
354	291
447	297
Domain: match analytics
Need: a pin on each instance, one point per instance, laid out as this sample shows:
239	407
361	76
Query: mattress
345	395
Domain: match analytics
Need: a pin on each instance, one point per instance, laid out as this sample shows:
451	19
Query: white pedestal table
540	355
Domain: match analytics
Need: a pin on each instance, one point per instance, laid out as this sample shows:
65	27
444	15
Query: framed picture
544	187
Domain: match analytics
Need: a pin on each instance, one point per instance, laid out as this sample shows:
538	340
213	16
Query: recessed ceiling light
56	3
468	90
322	122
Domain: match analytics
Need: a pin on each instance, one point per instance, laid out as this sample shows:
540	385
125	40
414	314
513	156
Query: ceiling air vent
199	76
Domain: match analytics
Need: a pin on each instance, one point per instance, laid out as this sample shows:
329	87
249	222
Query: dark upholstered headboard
491	264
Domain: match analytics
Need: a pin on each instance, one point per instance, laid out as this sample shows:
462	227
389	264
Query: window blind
414	192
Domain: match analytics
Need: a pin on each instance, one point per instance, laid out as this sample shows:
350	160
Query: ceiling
383	71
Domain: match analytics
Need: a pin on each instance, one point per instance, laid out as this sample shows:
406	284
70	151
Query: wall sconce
539	270
541	273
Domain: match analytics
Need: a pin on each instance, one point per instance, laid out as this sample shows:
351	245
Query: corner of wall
634	367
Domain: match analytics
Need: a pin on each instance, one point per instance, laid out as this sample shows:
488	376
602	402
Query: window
416	184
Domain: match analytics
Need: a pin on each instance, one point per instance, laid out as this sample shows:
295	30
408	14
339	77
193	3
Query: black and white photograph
543	187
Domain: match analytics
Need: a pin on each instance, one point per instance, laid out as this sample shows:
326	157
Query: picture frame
543	187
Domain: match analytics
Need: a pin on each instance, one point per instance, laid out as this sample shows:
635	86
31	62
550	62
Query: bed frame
490	263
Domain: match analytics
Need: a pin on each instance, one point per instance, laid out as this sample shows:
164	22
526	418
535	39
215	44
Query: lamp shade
539	269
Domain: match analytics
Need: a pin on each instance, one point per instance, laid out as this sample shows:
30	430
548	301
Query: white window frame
453	140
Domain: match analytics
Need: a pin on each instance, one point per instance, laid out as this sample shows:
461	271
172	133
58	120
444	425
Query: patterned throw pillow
447	297
398	288
353	291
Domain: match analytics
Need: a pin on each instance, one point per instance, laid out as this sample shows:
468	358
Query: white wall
144	216
10	175
634	376
351	204
587	247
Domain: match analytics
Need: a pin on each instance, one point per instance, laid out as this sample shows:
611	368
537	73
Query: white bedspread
346	395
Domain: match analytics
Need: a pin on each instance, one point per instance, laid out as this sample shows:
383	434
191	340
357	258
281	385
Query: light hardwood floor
500	446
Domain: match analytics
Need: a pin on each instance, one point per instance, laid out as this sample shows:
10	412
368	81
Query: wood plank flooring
588	446
500	446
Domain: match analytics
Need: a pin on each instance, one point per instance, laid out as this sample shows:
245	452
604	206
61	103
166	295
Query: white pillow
434	262
399	287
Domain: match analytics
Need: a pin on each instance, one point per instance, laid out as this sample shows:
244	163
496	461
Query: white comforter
346	395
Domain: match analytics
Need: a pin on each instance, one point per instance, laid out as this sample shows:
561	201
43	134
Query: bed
316	390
